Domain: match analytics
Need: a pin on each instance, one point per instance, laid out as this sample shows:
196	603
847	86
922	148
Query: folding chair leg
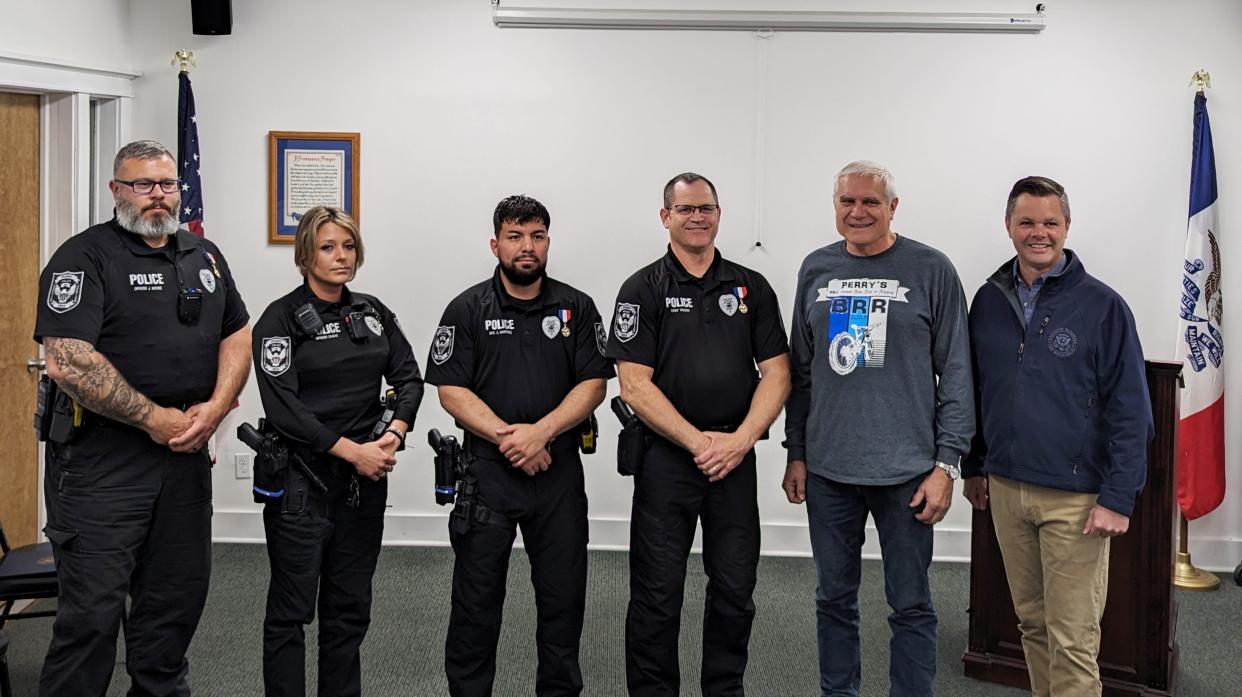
6	690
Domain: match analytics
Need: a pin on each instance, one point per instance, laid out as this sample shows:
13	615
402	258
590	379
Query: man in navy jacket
1064	424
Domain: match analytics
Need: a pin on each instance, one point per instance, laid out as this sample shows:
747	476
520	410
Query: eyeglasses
142	187
706	209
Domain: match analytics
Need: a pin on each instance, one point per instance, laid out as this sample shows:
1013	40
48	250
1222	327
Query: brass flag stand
1185	575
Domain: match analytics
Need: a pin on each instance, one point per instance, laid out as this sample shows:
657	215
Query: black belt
730	429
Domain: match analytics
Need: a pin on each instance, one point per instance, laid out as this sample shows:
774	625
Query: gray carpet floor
403	654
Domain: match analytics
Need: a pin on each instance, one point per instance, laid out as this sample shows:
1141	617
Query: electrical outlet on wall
244	463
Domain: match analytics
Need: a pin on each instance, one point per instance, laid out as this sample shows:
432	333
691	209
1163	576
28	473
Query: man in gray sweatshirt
880	416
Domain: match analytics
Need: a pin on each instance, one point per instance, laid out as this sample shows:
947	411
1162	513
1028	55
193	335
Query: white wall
455	113
92	33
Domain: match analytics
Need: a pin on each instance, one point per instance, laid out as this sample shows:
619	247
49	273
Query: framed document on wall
308	169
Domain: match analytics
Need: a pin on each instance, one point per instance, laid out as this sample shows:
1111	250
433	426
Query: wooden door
19	274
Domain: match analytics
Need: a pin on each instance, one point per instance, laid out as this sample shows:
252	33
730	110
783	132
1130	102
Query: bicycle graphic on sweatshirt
844	349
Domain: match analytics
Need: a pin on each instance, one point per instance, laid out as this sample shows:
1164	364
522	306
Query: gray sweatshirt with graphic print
880	358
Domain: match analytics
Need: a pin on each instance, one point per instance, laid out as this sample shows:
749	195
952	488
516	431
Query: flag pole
1186	575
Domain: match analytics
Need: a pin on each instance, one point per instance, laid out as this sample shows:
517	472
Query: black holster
56	417
633	442
297	491
632	446
279	471
468	512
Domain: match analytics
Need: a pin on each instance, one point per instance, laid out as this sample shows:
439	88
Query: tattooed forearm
90	379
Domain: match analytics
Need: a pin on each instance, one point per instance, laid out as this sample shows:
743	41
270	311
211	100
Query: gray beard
130	217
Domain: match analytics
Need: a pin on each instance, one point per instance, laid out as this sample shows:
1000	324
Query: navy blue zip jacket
1063	402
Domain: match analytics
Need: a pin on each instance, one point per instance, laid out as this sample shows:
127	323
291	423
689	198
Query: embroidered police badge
625	325
442	344
728	304
66	291
601	337
551	325
208	279
276	355
374	325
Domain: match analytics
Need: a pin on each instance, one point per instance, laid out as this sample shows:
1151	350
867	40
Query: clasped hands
526	447
720	453
185	431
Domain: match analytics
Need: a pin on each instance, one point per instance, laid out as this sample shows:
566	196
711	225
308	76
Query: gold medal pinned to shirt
212	260
740	292
564	317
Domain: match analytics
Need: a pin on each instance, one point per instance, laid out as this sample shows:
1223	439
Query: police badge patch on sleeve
625	325
601	337
66	291
442	344
276	355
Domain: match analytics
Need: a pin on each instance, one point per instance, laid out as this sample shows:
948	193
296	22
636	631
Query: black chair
26	573
6	690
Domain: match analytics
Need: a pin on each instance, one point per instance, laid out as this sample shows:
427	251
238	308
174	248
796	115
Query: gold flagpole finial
1201	81
185	59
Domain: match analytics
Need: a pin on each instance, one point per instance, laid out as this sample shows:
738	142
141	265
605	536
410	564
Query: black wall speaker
212	16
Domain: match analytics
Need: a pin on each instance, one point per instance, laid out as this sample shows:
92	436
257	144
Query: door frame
76	102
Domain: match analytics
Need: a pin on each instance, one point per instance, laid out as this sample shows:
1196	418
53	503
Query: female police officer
320	353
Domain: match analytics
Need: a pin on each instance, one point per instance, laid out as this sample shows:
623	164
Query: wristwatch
953	471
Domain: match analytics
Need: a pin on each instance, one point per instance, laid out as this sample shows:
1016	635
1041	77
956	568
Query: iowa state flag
1201	432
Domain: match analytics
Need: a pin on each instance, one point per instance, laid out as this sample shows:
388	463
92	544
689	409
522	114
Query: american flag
187	154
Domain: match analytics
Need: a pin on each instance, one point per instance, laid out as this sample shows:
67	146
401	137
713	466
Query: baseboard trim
778	539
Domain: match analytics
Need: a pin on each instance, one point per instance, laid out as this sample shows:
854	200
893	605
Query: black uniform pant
670	496
551	510
125	517
328	549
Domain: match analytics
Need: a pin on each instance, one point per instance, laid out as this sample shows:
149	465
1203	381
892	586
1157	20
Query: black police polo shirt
702	336
105	286
316	389
520	357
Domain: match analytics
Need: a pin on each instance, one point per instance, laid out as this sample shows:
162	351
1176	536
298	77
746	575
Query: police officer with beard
143	327
321	352
519	363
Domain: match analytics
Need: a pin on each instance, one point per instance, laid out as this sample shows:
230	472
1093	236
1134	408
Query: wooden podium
1138	654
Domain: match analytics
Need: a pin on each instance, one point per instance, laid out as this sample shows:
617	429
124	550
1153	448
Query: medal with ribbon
212	260
740	292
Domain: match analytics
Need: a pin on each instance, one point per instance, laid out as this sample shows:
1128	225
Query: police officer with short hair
143	327
519	361
321	352
687	335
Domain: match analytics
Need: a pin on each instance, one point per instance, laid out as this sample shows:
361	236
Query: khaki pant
1058	578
